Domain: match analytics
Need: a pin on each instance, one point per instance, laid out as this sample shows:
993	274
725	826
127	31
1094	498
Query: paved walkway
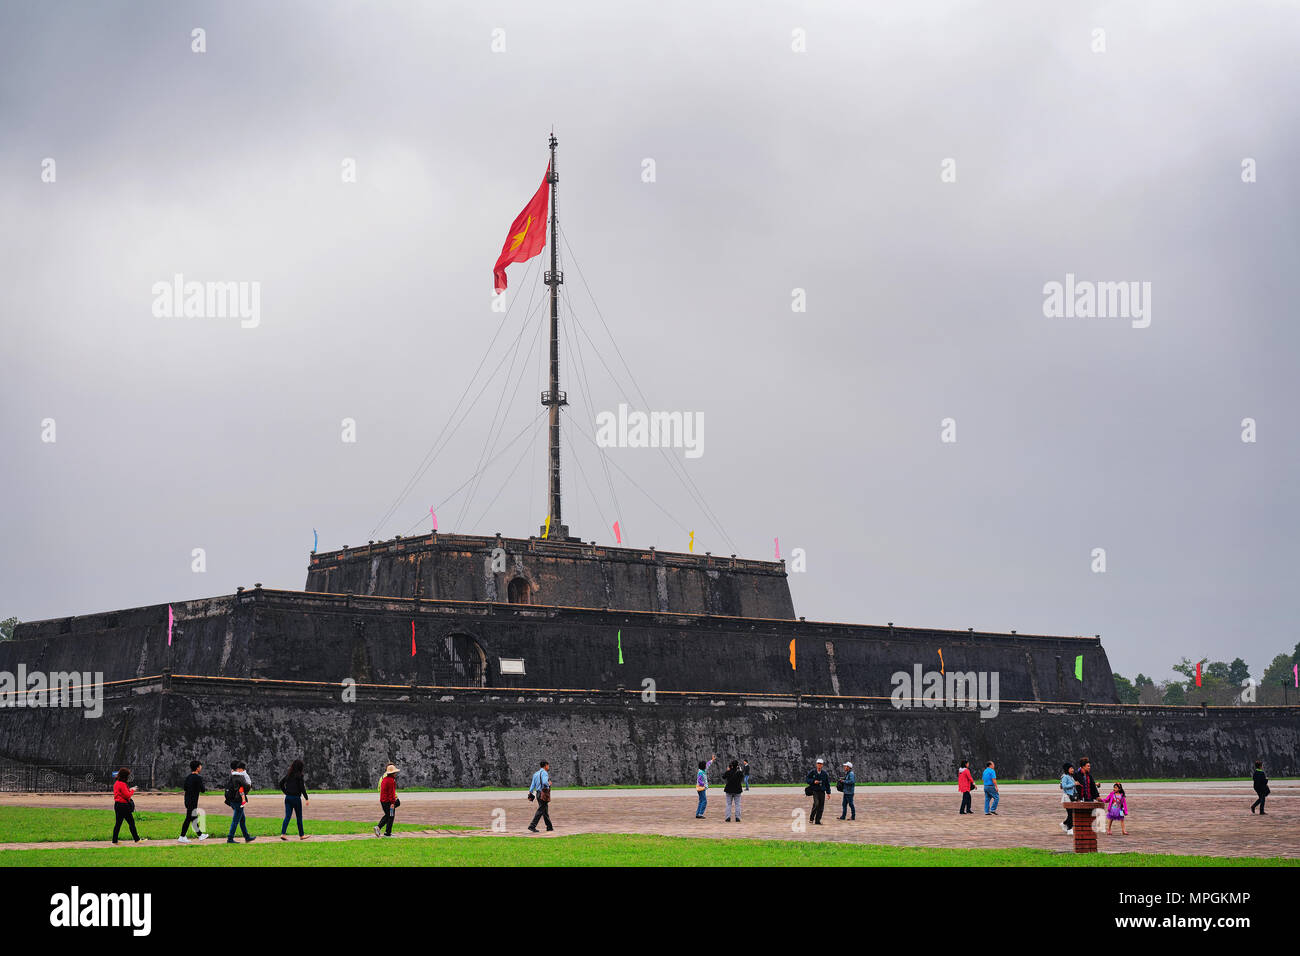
1210	819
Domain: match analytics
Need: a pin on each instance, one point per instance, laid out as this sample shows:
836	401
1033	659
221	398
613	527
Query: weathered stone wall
293	635
477	738
560	573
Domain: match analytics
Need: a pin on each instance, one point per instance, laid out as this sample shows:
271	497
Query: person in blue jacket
849	782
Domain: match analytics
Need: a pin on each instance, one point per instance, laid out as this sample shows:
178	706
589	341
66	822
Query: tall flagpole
554	398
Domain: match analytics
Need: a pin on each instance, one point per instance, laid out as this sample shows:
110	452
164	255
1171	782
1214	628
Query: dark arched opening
465	664
519	591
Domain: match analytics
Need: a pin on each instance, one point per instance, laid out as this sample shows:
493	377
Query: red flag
1198	674
527	235
412	638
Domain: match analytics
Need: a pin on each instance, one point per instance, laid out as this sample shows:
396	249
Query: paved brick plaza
1187	818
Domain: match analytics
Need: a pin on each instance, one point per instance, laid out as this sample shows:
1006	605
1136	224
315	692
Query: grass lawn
39	825
592	850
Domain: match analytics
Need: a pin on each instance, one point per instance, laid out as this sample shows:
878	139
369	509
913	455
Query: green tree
1275	675
7	628
1175	694
1124	689
1238	671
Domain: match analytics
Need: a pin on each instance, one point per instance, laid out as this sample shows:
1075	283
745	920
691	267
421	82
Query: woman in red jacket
965	784
388	800
123	804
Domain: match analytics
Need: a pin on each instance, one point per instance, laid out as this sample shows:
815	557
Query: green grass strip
598	850
41	825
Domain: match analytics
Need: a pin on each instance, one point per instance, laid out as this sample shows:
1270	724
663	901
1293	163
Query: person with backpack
388	800
294	788
847	784
1260	783
965	784
193	787
735	786
541	786
238	788
124	804
819	785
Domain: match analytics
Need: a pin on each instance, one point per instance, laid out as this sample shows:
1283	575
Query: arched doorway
465	664
519	591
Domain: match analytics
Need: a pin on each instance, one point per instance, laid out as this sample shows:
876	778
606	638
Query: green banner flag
1078	667
620	647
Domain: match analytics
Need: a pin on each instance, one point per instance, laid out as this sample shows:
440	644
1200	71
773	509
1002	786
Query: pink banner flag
618	537
171	619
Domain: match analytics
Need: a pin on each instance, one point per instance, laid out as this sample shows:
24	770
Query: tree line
1222	683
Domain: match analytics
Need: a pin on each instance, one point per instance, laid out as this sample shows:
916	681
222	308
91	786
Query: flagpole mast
554	398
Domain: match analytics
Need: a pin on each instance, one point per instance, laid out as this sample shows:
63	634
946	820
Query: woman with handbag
388	800
124	804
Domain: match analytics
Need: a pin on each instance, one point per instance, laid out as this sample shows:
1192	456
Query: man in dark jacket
1260	783
193	787
735	779
820	781
1087	788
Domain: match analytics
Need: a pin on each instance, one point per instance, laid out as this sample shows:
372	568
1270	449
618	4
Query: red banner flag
412	638
527	235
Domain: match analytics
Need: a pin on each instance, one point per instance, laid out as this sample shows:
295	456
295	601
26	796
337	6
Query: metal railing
16	777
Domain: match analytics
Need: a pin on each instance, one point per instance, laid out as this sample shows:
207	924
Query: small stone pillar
1085	838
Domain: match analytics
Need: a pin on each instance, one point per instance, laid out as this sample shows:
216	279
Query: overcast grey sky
775	170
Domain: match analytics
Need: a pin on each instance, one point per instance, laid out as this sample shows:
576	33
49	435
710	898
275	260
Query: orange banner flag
527	235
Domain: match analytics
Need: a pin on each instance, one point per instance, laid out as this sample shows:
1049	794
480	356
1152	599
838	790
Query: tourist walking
124	804
847	783
965	784
541	786
193	786
745	766
238	788
294	788
388	800
991	795
734	778
1068	785
1260	783
819	785
1116	808
702	786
